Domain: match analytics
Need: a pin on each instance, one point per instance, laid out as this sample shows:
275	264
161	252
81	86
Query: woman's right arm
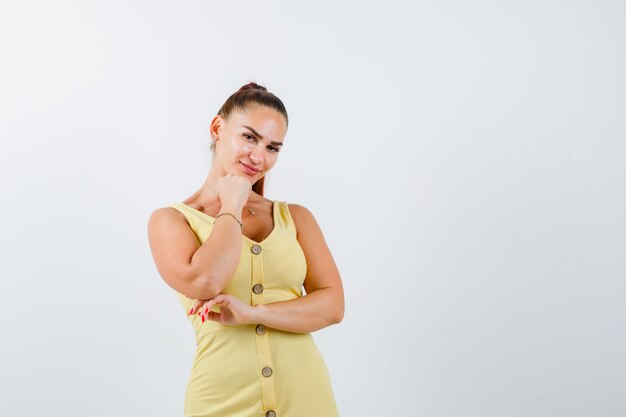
197	271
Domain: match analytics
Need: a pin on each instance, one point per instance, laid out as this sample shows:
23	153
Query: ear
216	126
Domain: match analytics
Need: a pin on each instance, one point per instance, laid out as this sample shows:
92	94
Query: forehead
268	122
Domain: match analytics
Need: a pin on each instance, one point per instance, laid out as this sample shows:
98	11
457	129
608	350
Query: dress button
257	289
256	249
266	372
270	413
260	329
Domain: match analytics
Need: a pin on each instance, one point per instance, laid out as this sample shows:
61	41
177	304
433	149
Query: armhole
291	224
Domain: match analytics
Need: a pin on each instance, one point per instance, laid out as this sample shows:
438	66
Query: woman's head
248	131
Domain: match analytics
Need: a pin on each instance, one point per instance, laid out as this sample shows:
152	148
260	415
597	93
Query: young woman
238	262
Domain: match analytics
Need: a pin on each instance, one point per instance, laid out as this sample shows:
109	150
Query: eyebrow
261	137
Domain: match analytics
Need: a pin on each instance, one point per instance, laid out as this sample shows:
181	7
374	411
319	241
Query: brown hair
243	99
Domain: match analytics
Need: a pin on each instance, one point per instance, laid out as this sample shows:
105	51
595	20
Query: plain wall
465	160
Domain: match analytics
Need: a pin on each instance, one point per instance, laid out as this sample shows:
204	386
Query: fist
233	190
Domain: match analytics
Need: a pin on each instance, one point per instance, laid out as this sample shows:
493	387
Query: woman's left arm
323	304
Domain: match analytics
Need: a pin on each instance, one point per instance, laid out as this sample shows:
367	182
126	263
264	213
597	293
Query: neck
207	193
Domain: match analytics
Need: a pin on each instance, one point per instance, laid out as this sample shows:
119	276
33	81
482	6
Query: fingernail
202	319
190	310
206	309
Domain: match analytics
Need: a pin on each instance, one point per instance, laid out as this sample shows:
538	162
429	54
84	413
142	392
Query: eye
247	136
273	148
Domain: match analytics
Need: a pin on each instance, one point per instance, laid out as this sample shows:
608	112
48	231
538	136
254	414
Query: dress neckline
242	235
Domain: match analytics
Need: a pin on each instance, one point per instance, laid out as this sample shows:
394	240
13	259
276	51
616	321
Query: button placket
261	337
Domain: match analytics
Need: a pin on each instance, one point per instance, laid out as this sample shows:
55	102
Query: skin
183	262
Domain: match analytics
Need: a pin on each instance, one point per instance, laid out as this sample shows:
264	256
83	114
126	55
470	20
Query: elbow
205	288
336	312
339	311
337	316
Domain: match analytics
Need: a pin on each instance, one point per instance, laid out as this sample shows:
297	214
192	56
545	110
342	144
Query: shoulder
299	212
165	213
164	216
303	219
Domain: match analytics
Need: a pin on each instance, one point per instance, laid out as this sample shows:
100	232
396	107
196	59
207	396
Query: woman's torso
243	371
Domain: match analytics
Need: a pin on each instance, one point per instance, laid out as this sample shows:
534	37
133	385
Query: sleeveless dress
253	370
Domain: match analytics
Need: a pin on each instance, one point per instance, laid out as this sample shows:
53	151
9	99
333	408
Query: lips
249	169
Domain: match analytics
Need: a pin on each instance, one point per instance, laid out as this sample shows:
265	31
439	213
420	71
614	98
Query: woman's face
249	141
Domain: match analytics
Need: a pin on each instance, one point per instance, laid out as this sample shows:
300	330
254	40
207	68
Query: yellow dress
252	370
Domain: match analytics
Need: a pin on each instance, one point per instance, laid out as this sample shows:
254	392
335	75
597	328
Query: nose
256	155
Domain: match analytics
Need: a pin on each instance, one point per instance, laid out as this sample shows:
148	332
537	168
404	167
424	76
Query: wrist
256	314
226	213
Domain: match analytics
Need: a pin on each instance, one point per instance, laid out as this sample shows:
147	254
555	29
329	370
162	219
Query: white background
465	160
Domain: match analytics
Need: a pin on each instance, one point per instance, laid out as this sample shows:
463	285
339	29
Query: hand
234	312
233	191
